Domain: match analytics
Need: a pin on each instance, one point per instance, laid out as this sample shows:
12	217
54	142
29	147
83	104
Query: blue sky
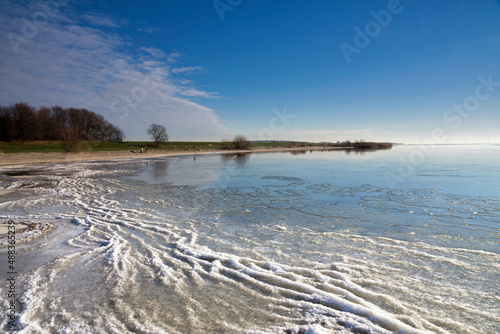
399	71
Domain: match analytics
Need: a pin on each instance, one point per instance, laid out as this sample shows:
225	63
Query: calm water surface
394	241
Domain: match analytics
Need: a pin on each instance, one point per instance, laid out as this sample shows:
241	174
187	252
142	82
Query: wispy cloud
149	30
198	93
485	40
100	20
154	52
188	70
174	57
70	63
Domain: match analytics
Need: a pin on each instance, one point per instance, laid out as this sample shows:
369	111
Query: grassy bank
96	146
57	146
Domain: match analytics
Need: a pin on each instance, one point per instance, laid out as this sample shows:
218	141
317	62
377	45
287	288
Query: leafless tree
23	122
240	142
47	125
6	123
71	140
158	133
227	145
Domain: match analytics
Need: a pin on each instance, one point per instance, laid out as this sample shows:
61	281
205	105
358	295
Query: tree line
21	122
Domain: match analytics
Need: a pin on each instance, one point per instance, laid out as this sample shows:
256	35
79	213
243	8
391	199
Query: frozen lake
405	240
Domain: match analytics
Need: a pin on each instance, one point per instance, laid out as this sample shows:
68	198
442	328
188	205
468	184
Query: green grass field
93	146
31	147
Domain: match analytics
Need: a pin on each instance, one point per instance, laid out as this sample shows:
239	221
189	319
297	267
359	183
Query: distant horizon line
324	142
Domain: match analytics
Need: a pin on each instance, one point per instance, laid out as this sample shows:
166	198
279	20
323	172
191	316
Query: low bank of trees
22	122
364	145
367	145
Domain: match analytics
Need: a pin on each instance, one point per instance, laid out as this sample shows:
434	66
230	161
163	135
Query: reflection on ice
239	158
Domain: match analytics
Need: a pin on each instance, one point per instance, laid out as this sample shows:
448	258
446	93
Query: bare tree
23	122
71	140
6	123
47	126
158	133
227	145
240	142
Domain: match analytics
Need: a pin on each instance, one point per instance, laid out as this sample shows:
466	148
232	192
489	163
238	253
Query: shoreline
16	159
29	231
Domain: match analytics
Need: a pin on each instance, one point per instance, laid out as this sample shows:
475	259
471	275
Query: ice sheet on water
299	258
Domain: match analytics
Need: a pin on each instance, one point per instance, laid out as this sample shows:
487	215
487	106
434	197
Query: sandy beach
41	158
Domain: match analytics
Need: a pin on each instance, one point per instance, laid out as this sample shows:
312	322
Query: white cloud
70	64
187	70
149	30
100	20
199	93
154	52
173	57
